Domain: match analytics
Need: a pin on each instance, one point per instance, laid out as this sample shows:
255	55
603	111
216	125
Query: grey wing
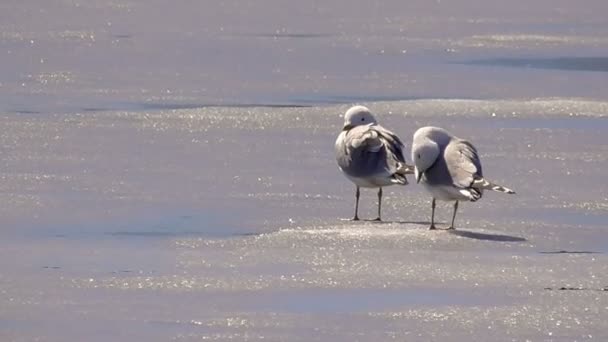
370	150
392	143
360	152
363	137
463	163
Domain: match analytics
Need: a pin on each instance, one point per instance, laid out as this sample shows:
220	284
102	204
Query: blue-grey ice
370	155
449	168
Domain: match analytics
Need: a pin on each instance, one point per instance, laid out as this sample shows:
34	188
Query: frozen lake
168	171
82	56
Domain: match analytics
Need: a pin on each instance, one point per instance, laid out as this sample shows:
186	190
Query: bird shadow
420	223
486	236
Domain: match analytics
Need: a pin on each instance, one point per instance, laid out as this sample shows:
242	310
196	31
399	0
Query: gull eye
362	119
419	156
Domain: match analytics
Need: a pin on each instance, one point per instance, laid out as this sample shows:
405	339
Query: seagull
370	155
449	168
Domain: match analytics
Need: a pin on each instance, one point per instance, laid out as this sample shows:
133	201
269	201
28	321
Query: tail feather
405	169
402	170
472	193
399	179
482	183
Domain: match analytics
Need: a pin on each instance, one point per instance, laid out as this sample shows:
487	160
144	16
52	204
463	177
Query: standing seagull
370	155
449	168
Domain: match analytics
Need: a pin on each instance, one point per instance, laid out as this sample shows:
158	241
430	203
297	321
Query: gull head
424	153
357	116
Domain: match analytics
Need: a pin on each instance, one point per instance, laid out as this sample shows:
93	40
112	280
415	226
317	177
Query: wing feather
371	149
374	137
393	144
463	163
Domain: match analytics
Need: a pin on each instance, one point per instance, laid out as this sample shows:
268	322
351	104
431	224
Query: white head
357	116
425	151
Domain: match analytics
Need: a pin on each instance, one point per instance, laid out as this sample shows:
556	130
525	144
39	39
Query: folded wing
463	163
384	150
373	138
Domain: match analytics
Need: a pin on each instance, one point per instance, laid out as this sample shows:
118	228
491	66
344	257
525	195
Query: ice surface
133	210
224	223
81	56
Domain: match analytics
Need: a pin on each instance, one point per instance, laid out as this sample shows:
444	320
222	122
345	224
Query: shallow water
146	196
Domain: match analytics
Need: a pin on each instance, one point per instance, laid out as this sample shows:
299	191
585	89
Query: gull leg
357	194
454	215
432	214
379	204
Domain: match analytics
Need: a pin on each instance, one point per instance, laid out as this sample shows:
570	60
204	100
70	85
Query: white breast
445	192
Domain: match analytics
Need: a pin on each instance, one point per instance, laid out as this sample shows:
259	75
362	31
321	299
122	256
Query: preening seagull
449	168
370	155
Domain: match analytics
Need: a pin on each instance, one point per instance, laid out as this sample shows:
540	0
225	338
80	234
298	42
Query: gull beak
418	175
